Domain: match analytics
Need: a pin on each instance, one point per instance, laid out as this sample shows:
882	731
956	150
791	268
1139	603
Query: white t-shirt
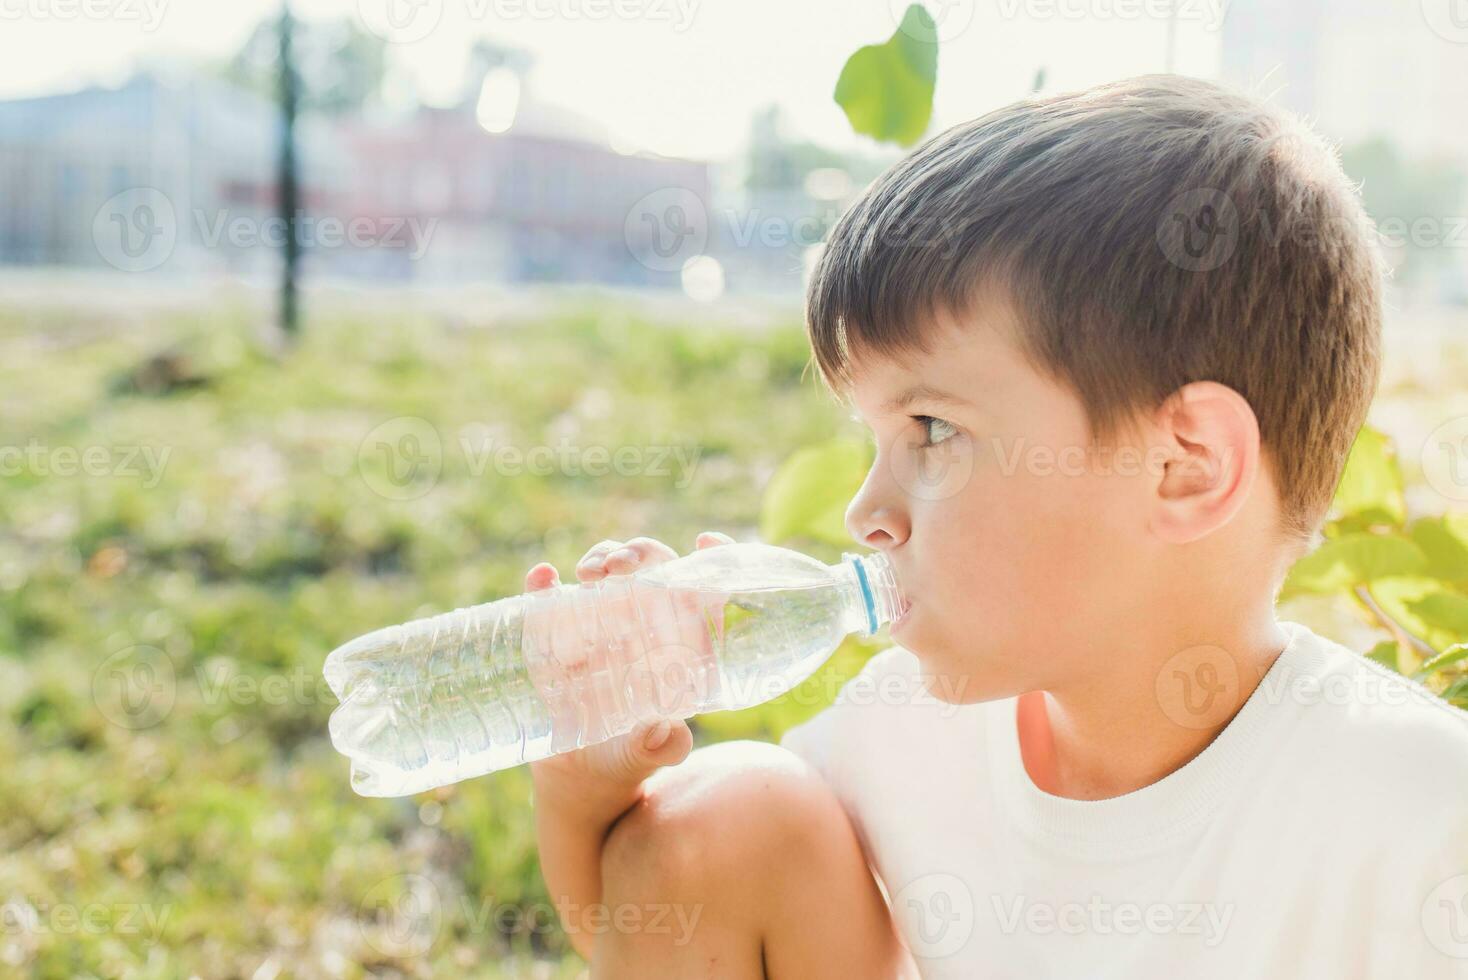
1322	834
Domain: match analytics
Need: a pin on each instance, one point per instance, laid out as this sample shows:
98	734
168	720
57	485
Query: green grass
213	832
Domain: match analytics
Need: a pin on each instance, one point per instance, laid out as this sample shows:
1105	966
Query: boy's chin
956	686
959	676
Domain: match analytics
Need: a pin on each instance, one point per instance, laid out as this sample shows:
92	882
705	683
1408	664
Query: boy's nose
879	527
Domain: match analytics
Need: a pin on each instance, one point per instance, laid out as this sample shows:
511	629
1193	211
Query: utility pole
289	190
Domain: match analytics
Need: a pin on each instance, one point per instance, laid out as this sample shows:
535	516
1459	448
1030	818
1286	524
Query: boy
1114	347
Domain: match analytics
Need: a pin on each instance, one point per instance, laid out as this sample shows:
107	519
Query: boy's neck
1128	728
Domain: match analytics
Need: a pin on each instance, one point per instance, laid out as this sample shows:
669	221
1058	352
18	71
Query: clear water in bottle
441	699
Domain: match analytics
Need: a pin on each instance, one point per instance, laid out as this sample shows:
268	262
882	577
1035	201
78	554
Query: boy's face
1020	546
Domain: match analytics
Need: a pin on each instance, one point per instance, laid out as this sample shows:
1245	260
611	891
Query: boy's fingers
612	557
708	539
592	565
638	553
542	576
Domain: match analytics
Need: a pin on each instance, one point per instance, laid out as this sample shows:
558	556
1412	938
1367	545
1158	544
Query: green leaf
886	89
1351	560
1450	656
1445	542
1384	653
1370	490
1457	693
1398	597
1442	610
807	496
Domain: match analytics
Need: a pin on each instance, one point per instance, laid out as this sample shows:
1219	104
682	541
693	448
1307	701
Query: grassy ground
170	805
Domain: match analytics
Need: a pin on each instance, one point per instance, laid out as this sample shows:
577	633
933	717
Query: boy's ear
1211	440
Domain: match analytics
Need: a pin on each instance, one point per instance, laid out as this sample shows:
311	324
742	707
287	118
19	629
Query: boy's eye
935	430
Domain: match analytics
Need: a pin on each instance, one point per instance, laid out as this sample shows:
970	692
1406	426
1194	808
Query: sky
679	77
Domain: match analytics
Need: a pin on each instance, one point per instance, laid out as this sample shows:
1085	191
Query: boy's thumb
651	745
665	742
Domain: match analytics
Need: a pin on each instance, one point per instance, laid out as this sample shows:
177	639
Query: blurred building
500	188
548	199
203	152
175	174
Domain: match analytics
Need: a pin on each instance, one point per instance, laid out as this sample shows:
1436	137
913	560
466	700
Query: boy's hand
598	783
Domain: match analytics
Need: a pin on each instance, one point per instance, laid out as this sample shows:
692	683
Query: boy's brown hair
1149	232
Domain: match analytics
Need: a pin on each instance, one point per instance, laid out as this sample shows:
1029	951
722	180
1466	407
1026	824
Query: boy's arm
580	795
570	861
578	799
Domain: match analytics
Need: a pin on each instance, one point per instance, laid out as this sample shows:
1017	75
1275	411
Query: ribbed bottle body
487	687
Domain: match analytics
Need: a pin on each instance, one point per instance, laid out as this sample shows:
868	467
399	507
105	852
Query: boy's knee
749	849
732	811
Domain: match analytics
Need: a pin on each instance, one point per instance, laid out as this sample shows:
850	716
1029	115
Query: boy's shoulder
1354	716
1376	768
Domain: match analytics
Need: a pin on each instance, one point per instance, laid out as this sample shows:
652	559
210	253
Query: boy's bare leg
756	871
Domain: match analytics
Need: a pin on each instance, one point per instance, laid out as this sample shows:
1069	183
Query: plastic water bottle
488	687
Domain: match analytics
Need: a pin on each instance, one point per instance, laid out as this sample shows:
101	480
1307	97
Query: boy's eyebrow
922	392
